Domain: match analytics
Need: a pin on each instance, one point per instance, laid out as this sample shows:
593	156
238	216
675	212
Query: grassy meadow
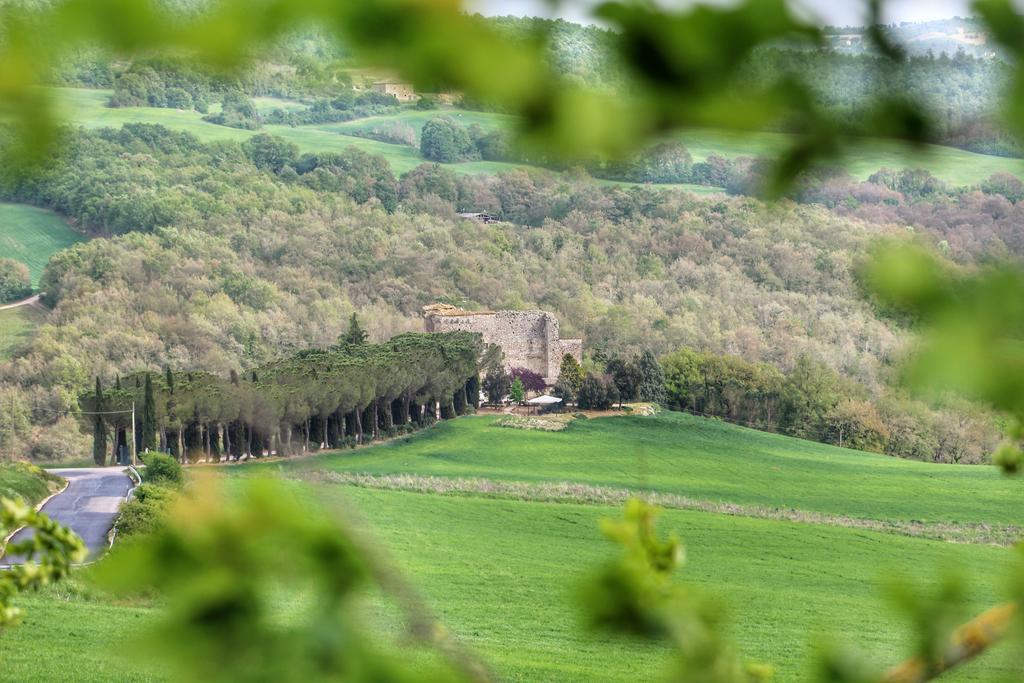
88	108
31	235
504	574
699	458
28	482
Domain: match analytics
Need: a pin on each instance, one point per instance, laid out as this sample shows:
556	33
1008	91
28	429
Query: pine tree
356	335
148	415
99	429
516	391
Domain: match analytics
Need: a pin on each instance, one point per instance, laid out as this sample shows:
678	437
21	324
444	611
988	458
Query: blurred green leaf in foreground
260	587
49	554
683	67
972	331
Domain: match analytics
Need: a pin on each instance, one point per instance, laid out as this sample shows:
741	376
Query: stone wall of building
529	339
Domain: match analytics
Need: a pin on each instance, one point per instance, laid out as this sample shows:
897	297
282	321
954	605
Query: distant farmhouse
529	339
481	217
403	92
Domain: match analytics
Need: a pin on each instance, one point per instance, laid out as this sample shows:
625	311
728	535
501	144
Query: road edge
112	534
39	506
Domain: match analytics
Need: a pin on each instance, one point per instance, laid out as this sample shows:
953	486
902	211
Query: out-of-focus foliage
230	564
636	595
973	325
682	67
48	555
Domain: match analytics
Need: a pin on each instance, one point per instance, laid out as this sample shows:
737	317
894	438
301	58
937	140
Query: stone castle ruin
529	339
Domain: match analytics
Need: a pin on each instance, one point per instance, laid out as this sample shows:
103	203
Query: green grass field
953	165
17	327
32	235
700	458
19	480
88	108
504	574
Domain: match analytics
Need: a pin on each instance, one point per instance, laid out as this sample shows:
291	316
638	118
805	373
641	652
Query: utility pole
133	435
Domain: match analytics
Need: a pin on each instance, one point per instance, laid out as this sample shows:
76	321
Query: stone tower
529	339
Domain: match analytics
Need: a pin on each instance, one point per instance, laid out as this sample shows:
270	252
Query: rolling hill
503	571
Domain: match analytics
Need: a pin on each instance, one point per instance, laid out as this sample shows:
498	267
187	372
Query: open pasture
88	108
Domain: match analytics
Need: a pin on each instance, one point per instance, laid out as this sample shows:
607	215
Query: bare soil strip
566	492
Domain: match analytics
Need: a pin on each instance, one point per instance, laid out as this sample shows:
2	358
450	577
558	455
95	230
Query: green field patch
88	108
570	492
953	165
504	577
31	235
706	460
25	481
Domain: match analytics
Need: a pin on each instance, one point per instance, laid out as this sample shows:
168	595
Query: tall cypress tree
148	415
99	430
172	446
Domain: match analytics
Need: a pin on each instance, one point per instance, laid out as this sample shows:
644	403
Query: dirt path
32	301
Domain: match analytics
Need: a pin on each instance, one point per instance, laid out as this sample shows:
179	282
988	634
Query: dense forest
221	257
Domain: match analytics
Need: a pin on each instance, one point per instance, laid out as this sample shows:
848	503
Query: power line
81	412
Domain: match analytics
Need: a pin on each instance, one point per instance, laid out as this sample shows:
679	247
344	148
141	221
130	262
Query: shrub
14	280
593	393
144	513
426	102
163	470
444	140
61	442
530	379
496	384
237	111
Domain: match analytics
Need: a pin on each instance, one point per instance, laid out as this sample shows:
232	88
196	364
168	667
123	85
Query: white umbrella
544	400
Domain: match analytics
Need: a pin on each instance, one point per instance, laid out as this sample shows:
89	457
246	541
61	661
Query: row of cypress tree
344	395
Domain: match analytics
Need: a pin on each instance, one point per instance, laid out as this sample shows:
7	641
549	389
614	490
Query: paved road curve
89	506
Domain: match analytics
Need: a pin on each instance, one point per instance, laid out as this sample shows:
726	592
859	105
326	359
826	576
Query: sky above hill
835	12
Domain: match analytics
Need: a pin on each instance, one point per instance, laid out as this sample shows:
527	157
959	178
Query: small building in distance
403	92
480	217
529	339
